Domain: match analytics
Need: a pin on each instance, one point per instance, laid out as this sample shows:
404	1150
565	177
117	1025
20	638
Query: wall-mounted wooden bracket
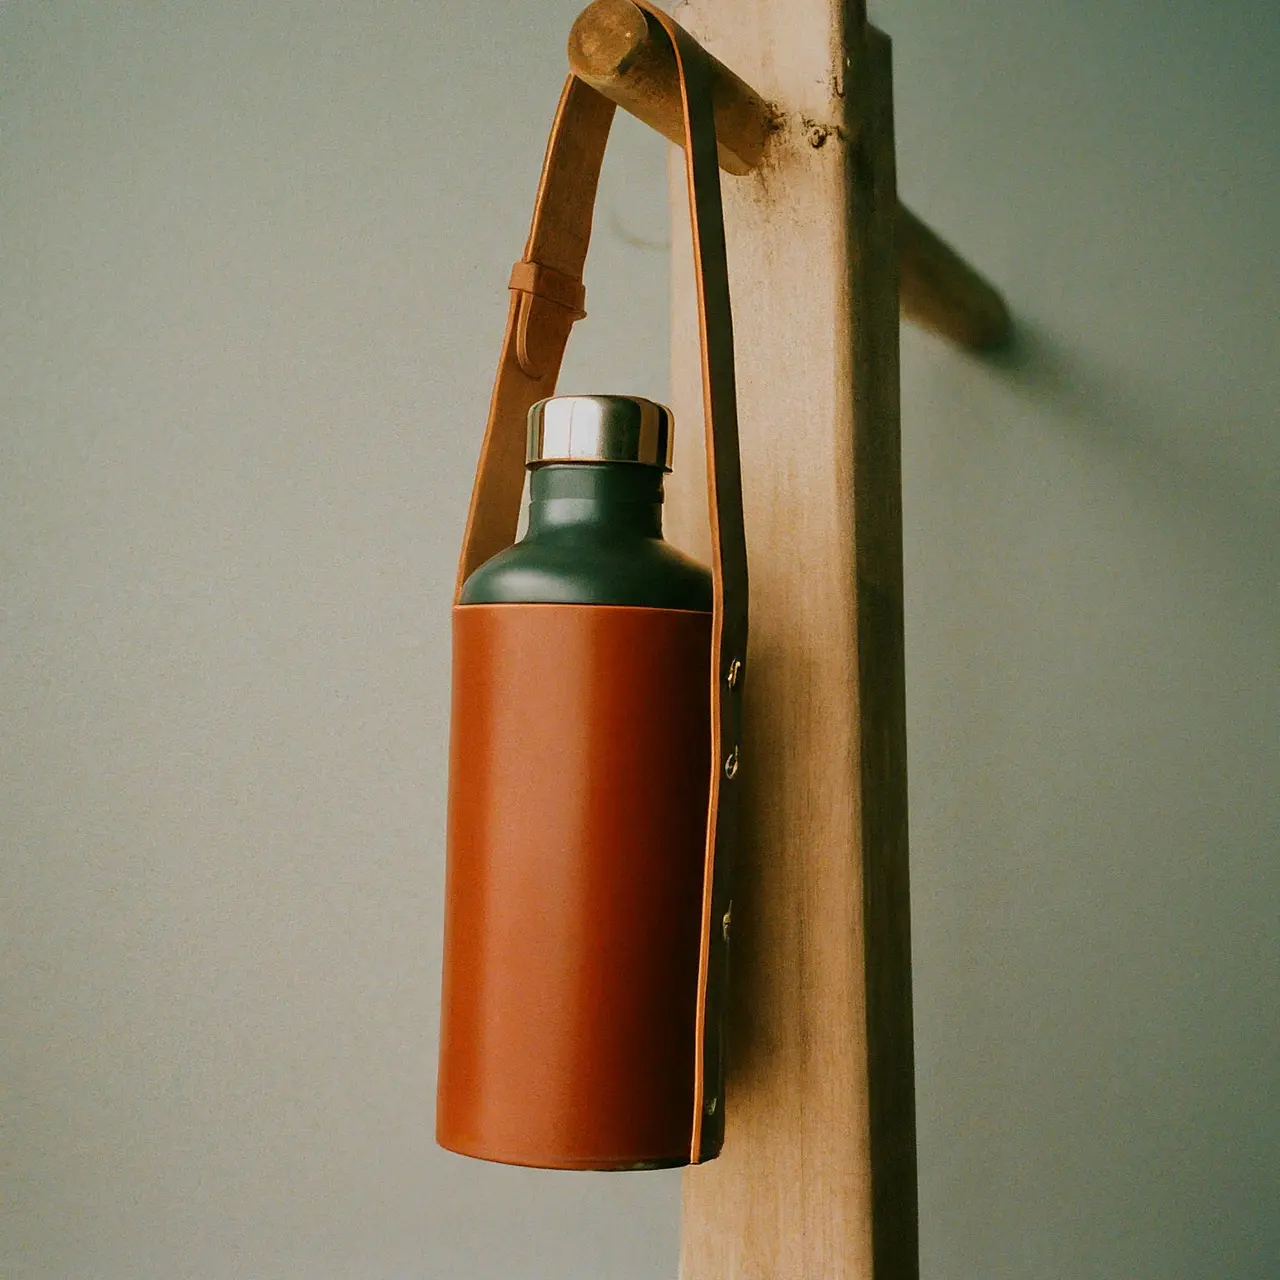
616	49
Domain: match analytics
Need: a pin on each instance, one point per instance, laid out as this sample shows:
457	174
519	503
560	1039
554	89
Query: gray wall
253	261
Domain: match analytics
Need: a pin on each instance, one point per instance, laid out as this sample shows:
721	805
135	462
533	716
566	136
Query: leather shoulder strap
546	299
729	566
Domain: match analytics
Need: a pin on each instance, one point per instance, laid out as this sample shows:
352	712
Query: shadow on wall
1179	456
1092	621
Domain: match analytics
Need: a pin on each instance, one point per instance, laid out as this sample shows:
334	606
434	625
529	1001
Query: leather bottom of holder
579	772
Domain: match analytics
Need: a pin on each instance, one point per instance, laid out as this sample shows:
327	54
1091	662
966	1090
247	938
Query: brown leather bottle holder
591	824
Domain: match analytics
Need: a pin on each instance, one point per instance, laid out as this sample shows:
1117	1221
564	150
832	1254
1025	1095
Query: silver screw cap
600	429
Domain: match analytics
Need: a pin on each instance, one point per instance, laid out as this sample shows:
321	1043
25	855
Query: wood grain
614	48
817	1177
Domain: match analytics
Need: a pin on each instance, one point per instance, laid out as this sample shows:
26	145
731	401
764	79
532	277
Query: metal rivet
711	1106
724	924
731	764
735	670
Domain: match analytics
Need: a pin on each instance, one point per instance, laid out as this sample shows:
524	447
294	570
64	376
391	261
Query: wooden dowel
614	48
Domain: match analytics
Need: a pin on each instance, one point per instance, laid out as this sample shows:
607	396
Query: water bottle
580	765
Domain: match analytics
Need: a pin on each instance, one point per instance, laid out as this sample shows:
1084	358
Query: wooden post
817	1177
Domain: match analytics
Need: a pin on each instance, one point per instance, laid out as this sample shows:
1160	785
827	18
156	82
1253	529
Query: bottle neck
610	497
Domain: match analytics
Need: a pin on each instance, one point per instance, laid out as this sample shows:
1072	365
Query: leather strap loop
542	281
546	300
542	289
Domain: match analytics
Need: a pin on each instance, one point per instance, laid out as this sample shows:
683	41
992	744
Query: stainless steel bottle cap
600	429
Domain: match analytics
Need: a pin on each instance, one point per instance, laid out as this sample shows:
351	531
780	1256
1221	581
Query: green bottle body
594	537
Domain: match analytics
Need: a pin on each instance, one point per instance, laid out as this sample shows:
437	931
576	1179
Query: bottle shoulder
638	571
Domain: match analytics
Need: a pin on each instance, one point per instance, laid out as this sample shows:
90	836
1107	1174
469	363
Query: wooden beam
817	1177
614	47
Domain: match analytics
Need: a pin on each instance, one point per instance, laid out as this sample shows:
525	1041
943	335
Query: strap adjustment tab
549	303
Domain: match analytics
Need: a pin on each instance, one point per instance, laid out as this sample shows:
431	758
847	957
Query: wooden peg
614	47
